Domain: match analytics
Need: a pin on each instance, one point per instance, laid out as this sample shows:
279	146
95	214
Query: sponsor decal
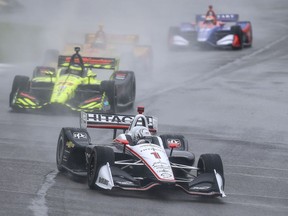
69	144
166	175
103	181
148	147
117	119
79	135
162	167
126	183
91	60
200	188
120	76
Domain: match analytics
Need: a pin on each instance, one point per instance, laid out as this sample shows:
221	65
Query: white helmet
141	133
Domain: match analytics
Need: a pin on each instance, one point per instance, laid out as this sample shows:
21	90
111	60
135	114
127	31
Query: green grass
19	42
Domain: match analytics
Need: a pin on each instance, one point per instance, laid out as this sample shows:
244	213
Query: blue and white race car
223	31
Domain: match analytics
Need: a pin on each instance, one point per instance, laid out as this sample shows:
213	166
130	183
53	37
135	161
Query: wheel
237	32
60	150
179	139
251	36
20	83
125	88
108	86
99	157
208	162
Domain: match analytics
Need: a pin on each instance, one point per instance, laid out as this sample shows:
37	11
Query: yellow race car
75	84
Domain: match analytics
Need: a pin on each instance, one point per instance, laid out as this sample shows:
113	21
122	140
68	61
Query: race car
224	32
136	159
123	46
75	85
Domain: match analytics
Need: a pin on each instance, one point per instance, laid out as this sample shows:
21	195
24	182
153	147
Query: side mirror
50	73
122	141
92	75
173	145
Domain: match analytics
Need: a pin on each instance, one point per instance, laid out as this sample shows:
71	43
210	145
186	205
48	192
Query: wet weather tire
99	157
208	162
110	89
60	150
20	83
236	30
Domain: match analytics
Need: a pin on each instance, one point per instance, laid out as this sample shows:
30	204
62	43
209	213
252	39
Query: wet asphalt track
231	103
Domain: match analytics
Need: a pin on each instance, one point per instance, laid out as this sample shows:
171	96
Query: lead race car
224	32
75	85
137	159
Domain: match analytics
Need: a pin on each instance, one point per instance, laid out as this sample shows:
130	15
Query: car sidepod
179	154
70	154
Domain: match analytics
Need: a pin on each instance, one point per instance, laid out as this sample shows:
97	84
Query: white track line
38	205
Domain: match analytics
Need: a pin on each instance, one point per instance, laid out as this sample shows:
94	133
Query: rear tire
99	157
251	36
110	89
125	89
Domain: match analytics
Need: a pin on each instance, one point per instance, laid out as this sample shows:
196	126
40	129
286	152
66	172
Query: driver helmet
141	134
75	69
210	19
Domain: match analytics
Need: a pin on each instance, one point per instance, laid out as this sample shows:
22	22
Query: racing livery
137	159
224	32
123	46
74	85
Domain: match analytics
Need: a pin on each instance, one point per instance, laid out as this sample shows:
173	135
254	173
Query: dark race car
76	85
224	32
137	159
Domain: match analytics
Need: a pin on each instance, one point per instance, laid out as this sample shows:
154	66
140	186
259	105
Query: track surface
231	103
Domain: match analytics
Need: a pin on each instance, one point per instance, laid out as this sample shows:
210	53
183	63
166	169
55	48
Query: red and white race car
224	32
137	159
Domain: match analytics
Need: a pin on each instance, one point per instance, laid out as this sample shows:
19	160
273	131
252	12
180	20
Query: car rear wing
113	121
114	38
90	62
220	17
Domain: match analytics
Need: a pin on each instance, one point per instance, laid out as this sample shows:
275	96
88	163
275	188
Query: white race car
137	159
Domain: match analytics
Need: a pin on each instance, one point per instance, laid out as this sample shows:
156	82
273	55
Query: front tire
60	151
99	157
207	163
20	83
